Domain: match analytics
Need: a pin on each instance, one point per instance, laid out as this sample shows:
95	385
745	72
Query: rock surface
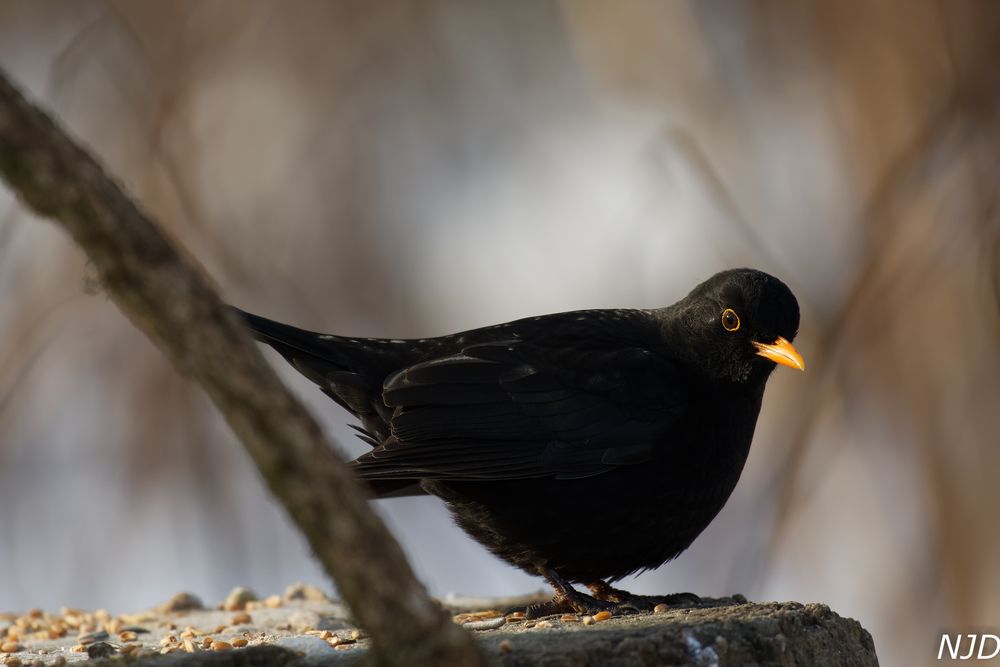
305	631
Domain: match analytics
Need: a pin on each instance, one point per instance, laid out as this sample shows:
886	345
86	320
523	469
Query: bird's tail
282	337
329	361
350	371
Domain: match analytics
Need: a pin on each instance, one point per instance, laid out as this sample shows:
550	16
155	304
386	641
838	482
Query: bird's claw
681	600
574	603
568	600
641	603
588	606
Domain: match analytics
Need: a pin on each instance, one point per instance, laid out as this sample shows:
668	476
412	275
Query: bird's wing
512	409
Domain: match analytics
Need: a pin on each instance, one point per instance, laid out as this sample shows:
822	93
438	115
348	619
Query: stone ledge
721	632
740	634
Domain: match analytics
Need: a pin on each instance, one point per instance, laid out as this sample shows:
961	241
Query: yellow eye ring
730	320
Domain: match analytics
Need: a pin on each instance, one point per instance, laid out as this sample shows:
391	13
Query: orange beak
781	352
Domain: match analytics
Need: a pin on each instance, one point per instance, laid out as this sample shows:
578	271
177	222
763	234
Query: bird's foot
629	601
569	601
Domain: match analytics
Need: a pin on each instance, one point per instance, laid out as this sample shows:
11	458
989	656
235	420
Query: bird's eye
730	320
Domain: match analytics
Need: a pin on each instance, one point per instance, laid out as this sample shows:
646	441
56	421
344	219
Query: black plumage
582	446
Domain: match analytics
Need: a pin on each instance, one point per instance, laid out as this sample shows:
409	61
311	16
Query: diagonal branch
167	297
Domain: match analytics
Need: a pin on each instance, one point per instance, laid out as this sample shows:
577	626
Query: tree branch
167	297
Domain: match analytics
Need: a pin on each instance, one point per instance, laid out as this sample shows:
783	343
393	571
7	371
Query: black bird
582	446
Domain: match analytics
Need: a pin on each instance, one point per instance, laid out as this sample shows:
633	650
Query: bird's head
737	325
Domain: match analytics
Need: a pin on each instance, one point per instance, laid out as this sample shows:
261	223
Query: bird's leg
625	600
567	599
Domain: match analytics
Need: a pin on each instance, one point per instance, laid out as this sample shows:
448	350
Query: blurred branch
166	296
751	236
944	138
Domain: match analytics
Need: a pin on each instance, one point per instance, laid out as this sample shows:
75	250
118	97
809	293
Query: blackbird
582	446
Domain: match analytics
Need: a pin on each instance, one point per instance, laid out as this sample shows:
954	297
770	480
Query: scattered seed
129	649
181	602
488	624
10	647
569	618
344	647
238	598
530	624
240	642
207	642
12	662
543	624
101	650
587	620
461	619
138	629
169	639
221	646
92	637
505	646
661	609
127	636
308	592
241	618
515	616
602	616
79	648
189	646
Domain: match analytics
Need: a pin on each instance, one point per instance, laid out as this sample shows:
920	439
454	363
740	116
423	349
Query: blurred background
413	168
